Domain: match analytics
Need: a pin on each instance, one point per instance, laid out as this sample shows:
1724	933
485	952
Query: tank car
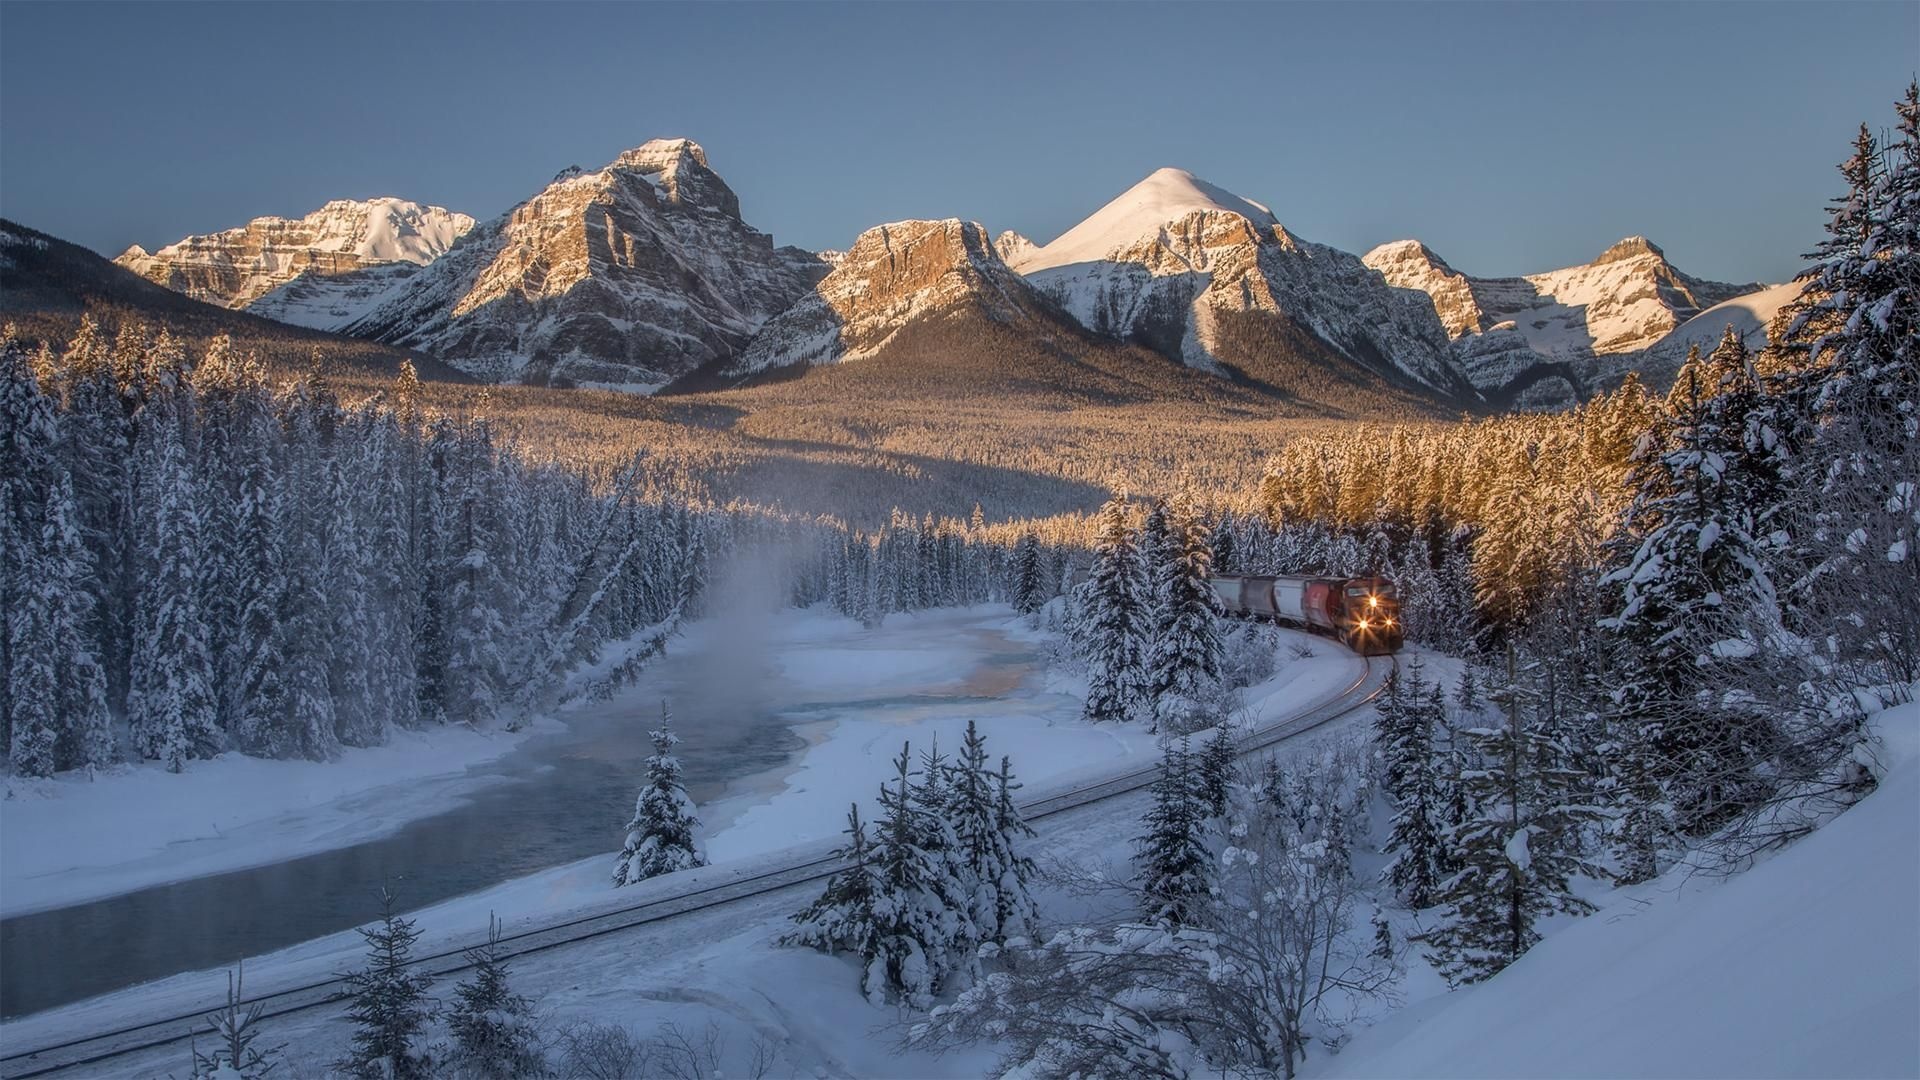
1362	612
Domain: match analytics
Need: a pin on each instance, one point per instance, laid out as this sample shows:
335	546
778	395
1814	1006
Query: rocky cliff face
1174	261
1593	321
893	276
238	267
628	276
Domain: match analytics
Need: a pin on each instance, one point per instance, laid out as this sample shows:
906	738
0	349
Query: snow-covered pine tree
1184	664
854	912
660	838
916	927
255	691
1417	841
390	1004
988	831
1175	863
475	622
29	433
1215	767
1017	908
307	727
1696	569
86	721
175	717
1115	627
1852	336
33	689
495	1036
1522	846
1225	548
1029	590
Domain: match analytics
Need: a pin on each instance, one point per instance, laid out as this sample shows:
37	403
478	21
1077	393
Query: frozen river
747	702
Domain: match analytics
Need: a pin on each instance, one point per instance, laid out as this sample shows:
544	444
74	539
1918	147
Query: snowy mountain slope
1213	280
628	276
1752	315
1593	322
1165	196
892	275
237	267
47	284
1807	965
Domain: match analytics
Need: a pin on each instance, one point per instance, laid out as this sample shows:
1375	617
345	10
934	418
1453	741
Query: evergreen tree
1115	626
1215	766
852	915
85	719
1417	840
1175	863
390	1004
29	433
1016	909
174	714
1696	567
1521	848
988	832
1028	588
493	1028
660	838
235	1057
1185	662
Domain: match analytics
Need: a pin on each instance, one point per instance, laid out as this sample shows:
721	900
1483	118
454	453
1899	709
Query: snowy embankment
70	839
1807	965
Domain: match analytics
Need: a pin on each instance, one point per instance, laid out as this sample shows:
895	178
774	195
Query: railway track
94	1050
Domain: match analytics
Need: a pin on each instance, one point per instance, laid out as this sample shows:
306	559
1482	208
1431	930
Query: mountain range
643	276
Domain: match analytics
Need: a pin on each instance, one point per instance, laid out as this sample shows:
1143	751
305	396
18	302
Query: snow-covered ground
69	839
723	966
1807	965
859	693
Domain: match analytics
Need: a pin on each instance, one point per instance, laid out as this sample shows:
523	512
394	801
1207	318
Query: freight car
1363	613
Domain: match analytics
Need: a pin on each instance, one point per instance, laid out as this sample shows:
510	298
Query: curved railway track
93	1050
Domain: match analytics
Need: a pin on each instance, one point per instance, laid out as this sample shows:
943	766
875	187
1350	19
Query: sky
1511	138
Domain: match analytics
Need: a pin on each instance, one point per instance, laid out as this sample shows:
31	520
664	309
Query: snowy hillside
1807	965
1752	315
238	267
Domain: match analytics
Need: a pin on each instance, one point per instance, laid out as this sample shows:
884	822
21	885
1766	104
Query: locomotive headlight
1363	624
1373	601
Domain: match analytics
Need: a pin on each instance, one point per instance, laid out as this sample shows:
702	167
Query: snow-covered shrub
601	1052
1249	654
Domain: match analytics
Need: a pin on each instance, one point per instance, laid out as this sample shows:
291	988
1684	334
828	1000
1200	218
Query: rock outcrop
893	275
628	276
237	267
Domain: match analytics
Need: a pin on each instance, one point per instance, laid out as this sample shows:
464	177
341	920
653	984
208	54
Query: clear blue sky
1511	138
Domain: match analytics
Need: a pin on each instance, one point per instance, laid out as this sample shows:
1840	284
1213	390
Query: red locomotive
1363	612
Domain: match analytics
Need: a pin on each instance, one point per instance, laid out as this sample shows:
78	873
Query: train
1363	613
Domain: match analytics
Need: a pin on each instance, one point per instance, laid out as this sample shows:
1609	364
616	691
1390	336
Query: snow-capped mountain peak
1139	213
1631	247
236	267
627	276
